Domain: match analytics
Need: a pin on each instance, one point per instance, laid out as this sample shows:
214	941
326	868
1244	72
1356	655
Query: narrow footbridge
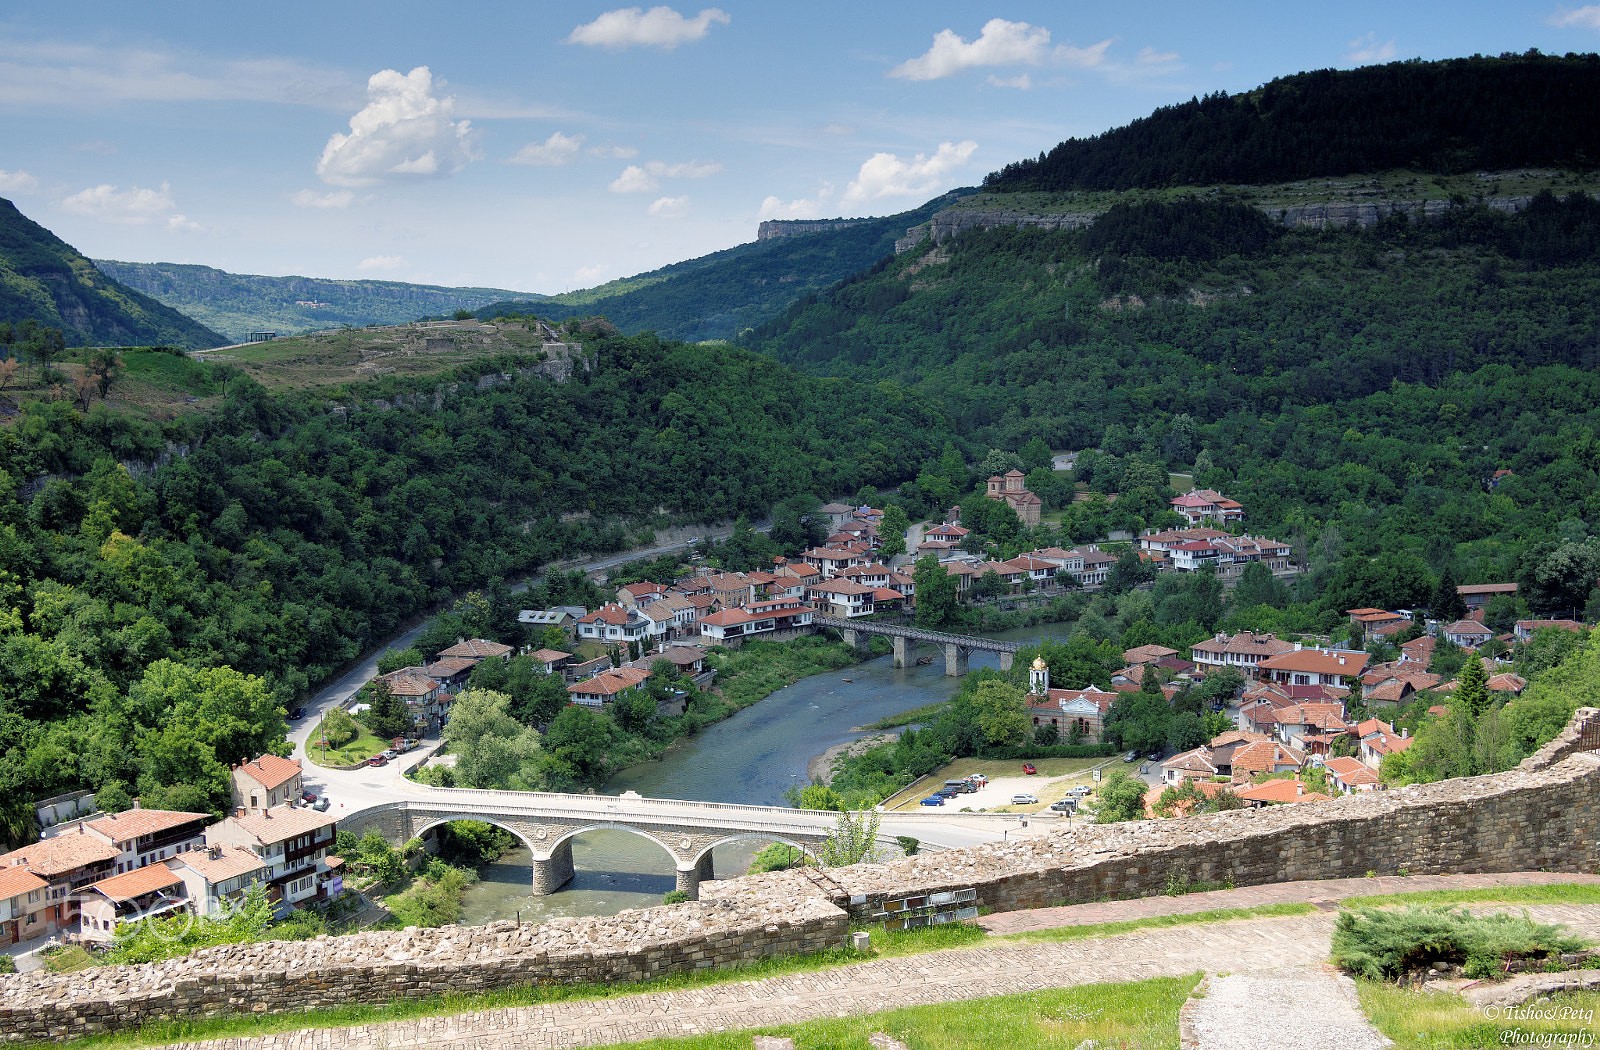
957	647
547	822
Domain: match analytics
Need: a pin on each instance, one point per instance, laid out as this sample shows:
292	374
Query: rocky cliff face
1316	215
775	228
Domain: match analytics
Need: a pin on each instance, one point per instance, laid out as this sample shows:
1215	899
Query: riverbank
820	768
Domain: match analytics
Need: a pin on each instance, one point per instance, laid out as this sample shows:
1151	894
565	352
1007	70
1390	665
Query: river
751	758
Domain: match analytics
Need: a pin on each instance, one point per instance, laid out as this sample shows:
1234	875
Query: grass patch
70	959
915	716
1136	1013
363	747
1428	1020
756	670
1111	929
1554	893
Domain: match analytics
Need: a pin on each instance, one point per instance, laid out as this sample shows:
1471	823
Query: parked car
308	797
1022	798
946	793
321	804
978	778
297	714
378	760
933	800
391	754
1027	767
1066	805
1130	756
1079	791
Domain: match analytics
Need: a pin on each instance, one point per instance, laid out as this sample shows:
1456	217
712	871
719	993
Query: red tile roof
230	861
270	771
476	647
1284	791
130	824
138	882
17	880
610	683
282	822
66	852
1317	661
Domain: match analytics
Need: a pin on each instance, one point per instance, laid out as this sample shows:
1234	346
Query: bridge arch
504	825
759	836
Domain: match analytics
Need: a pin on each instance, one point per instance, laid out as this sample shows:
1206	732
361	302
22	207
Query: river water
751	758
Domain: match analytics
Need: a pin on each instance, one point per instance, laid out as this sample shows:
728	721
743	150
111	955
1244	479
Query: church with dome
1079	715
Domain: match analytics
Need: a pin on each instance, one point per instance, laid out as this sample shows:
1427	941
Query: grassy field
1142	1014
1429	1020
360	749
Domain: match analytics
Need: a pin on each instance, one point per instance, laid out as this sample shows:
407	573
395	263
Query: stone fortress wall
1545	814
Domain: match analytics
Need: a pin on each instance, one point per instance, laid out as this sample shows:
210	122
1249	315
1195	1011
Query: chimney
1297	647
1403	733
215	852
1341	661
239	812
135	803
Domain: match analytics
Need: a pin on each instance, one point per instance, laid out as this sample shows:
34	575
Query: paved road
1245	946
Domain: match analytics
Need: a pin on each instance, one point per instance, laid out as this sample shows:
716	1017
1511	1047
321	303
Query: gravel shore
821	767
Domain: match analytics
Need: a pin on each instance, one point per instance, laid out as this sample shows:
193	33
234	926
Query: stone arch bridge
957	647
548	822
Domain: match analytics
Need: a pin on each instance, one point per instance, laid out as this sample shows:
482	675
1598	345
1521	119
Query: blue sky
550	146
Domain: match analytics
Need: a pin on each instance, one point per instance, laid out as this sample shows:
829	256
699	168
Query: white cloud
381	262
551	153
133	206
16	182
669	207
313	199
1367	49
635	179
777	208
1001	43
1023	82
55	74
635	27
647	179
1585	17
1149	56
402	130
692	170
886	175
614	152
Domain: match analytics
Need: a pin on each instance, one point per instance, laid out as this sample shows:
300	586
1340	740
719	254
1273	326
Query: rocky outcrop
775	228
1314	215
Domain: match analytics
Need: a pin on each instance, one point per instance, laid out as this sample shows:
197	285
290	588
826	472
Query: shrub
1386	945
674	897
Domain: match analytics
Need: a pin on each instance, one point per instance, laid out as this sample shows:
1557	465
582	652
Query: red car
1027	767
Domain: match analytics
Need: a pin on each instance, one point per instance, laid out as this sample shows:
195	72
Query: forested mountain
1453	116
237	304
44	279
717	296
283	538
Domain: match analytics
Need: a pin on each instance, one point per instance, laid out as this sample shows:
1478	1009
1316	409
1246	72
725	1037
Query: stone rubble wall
292	976
1544	815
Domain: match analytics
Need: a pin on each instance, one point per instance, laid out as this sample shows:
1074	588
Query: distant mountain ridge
238	304
44	278
717	296
1448	117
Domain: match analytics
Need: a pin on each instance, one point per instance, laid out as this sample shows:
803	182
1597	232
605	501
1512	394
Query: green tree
389	715
935	592
1119	798
1258	587
582	738
819	796
112	797
633	710
1000	711
1035	455
893	532
394	659
1447	604
1129	572
1471	690
338	728
854	839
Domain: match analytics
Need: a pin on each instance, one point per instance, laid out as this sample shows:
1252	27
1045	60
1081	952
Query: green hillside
47	280
1439	117
238	304
717	296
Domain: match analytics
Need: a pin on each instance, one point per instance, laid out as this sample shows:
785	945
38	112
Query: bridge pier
555	871
955	660
851	638
690	878
905	651
1005	660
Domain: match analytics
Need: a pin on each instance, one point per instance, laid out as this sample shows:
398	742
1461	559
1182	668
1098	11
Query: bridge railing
598	814
666	803
966	641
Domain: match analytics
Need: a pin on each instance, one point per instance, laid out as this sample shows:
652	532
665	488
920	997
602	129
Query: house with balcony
69	863
24	906
731	627
1303	666
1208	505
1469	634
148	892
1478	595
615	624
605	687
843	598
293	843
477	649
216	877
1523	630
1244	651
149	836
